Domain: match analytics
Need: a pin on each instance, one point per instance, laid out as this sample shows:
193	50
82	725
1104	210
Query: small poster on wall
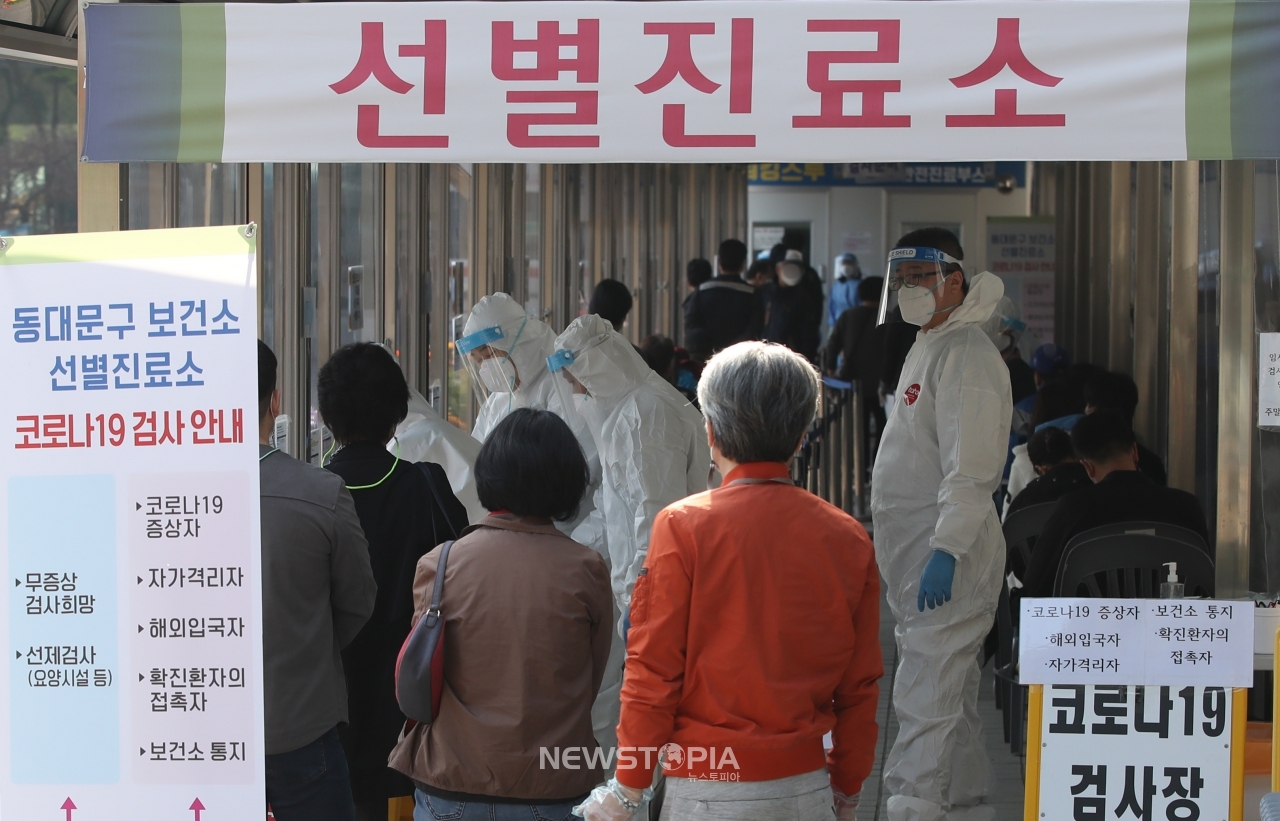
1020	250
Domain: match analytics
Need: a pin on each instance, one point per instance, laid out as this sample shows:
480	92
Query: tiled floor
1006	769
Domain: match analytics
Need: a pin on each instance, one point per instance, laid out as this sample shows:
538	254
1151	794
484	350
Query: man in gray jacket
317	592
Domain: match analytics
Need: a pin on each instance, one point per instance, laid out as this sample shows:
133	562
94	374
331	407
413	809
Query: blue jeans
432	808
311	783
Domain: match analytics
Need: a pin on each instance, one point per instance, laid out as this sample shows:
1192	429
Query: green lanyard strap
268	453
384	478
380	481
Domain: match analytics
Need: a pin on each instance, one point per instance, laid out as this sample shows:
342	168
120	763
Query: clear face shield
572	394
486	354
914	274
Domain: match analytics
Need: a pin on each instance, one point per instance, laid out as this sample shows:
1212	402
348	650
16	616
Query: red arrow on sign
197	808
68	805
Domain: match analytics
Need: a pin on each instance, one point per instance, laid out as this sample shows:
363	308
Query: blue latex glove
935	581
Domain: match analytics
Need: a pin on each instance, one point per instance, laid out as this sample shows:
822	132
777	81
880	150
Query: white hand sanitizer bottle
1171	588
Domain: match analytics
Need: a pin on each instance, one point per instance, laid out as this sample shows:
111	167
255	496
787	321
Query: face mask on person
847	272
498	374
589	409
790	274
917	304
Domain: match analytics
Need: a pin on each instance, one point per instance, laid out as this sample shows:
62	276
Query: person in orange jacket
754	624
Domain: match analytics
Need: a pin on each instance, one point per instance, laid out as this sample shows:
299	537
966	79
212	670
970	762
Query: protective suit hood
529	346
985	292
604	362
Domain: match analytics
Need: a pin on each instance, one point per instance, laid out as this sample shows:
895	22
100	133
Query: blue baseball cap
1050	360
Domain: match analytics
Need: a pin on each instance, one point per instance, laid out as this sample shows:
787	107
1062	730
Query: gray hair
759	400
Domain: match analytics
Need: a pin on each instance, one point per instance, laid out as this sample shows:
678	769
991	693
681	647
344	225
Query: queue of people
630	567
537	620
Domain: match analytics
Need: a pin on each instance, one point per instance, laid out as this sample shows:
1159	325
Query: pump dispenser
1171	588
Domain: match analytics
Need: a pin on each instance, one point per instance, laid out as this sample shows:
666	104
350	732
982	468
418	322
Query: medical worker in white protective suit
652	441
937	537
424	436
505	353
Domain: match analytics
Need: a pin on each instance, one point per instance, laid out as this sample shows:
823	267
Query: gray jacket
317	592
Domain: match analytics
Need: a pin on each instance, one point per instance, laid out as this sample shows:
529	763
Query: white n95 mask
917	304
498	375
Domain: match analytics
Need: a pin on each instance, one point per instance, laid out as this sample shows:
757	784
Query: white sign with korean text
743	81
1269	380
1020	250
130	536
1172	642
1118	752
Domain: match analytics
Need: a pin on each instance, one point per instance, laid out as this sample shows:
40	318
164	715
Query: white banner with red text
733	80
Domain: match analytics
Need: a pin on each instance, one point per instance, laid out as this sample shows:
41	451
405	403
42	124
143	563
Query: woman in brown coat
528	624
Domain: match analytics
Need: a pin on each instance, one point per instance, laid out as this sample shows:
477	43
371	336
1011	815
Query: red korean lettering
372	63
53	428
585	112
369	133
432	51
199	419
1007	53
741	60
550	62
144	430
168	434
679	64
27	427
831	92
679	60
71	440
237	426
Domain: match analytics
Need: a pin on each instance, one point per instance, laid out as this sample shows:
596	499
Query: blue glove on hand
935	581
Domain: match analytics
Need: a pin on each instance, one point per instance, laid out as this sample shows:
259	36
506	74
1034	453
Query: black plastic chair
1009	694
1021	530
1180	534
1126	561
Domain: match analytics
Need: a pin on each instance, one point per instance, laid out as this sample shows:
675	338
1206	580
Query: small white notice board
1173	642
1136	707
1269	380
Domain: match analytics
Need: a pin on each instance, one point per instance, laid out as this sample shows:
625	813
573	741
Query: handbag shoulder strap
433	609
435	495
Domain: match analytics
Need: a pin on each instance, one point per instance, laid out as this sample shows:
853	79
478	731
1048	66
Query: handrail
832	460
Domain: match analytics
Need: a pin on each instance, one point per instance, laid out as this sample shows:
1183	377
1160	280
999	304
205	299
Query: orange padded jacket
754	631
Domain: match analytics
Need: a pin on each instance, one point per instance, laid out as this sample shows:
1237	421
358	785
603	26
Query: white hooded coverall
940	460
652	442
424	436
528	342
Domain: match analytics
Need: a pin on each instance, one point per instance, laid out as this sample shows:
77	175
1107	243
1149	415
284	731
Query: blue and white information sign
130	538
